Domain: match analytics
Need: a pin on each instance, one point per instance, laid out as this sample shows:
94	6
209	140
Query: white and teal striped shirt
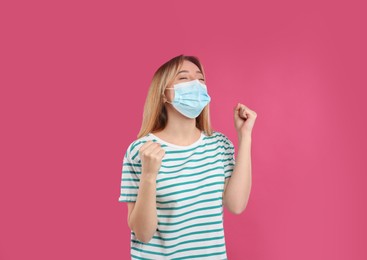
189	193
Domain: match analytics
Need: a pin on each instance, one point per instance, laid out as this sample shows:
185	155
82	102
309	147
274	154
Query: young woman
179	173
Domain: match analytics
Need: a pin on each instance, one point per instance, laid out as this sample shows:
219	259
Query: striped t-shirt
189	193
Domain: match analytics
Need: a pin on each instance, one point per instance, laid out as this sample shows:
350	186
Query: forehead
188	65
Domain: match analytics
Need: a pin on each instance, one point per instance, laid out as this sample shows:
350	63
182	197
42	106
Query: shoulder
219	136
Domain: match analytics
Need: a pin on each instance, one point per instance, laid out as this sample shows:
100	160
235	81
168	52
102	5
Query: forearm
239	186
143	219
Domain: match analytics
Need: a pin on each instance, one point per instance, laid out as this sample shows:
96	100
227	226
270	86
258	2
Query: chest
190	176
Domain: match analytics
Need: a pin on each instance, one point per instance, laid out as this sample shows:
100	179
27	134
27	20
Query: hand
151	155
244	119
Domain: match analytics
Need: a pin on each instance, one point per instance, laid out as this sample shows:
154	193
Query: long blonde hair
155	113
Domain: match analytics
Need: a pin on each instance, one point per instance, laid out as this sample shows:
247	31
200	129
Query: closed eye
186	78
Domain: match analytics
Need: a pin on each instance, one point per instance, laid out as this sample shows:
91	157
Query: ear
164	98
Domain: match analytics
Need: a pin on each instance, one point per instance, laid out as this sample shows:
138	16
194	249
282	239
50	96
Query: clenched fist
151	155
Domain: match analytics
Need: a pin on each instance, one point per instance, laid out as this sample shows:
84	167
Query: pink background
74	77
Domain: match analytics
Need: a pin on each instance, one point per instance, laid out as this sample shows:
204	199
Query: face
188	72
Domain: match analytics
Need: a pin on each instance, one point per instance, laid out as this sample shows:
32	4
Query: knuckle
155	158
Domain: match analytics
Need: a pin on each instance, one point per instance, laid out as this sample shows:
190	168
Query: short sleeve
228	158
130	179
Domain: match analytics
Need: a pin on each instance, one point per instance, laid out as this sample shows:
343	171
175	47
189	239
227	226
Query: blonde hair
155	114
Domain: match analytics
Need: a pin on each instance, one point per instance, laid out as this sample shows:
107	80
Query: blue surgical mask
190	98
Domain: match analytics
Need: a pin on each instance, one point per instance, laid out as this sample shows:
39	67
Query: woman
179	173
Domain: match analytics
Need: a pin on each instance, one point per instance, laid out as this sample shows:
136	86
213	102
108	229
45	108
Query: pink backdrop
74	77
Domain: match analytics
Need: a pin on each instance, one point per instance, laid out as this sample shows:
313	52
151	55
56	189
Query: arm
238	188
142	215
143	219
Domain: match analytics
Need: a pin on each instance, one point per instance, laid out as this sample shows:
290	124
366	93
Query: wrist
148	177
244	136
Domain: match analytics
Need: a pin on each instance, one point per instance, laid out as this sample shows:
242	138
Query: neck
180	126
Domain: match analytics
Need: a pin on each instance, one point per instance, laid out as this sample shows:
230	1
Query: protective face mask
190	98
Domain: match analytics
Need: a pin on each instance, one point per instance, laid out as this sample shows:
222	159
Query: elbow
144	238
144	235
234	209
238	209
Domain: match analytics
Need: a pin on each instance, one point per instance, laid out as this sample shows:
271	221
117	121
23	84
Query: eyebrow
185	71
